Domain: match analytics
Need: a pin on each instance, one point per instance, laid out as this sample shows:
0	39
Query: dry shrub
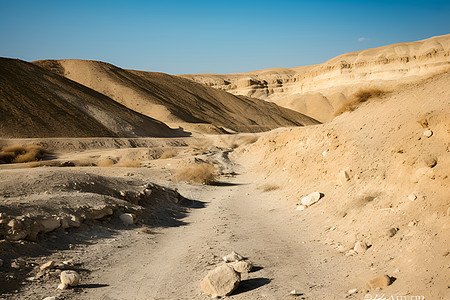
270	187
21	154
358	98
106	162
168	154
203	173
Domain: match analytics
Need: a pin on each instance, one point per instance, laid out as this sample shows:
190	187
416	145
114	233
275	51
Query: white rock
128	219
311	199
51	298
300	207
295	293
412	196
428	133
360	247
243	266
48	265
324	153
69	278
233	256
353	291
221	281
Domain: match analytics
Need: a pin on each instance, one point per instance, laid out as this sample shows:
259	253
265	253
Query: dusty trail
170	263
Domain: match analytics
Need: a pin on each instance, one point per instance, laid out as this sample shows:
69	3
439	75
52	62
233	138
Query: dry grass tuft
270	187
168	154
358	98
106	162
203	173
21	154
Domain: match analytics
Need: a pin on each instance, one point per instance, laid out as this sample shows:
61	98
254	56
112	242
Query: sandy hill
37	103
319	90
175	100
383	171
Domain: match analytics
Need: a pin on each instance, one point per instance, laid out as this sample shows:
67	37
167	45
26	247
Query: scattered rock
243	266
391	232
342	177
48	265
379	282
128	219
300	207
69	278
221	281
311	198
360	247
424	172
48	224
428	133
15	265
69	221
353	291
350	252
412	196
233	256
51	298
295	293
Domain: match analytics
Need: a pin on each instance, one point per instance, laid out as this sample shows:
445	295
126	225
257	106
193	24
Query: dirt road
169	263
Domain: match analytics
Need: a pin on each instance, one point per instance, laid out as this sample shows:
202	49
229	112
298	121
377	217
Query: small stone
342	177
311	198
379	282
295	293
128	219
360	247
350	252
243	266
1	262
353	291
428	133
70	278
412	223
15	265
391	232
40	274
430	161
233	256
48	265
51	298
300	207
221	281
62	286
412	196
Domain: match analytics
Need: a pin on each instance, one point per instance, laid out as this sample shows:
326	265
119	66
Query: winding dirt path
169	263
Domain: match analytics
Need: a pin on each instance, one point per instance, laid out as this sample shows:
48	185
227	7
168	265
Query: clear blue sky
211	36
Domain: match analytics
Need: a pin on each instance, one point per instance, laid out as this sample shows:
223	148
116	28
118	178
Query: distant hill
319	90
177	101
38	103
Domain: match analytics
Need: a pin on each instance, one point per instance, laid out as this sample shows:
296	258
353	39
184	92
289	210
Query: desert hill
177	101
37	103
319	90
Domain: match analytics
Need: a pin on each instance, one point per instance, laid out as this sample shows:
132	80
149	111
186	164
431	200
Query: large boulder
221	281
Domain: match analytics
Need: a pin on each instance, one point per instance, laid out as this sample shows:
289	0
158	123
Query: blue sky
211	36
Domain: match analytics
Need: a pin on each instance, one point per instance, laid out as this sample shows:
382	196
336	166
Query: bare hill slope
38	103
319	90
384	173
175	100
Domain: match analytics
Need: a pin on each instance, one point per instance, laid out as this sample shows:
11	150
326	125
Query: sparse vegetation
203	173
358	98
21	154
108	162
270	187
168	154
